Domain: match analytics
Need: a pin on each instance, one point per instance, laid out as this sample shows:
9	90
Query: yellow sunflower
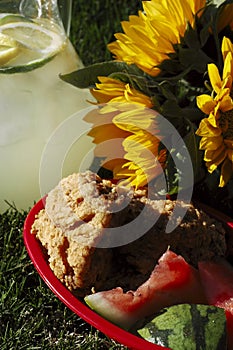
216	131
145	160
113	90
127	137
148	38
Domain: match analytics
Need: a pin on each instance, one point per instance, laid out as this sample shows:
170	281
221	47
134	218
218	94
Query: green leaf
204	23
141	83
188	327
171	66
176	179
88	76
192	143
191	38
166	90
172	111
196	59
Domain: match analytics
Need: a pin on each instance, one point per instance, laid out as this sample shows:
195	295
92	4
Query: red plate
41	264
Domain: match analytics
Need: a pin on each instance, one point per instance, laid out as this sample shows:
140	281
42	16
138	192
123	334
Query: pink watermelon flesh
173	281
217	279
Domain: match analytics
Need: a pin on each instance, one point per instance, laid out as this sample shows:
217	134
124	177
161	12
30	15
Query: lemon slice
13	17
9	48
36	44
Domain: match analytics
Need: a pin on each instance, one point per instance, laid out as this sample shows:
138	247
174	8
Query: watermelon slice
217	279
173	281
188	326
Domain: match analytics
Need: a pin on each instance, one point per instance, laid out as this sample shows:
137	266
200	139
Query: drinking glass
33	100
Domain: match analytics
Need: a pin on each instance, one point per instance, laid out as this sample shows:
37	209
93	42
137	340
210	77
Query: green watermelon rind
188	326
105	309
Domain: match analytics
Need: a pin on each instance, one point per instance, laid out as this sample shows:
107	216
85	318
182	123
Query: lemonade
33	100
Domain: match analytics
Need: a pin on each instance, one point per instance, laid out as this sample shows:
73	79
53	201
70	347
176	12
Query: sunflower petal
226	104
211	143
217	156
206	103
227	45
226	172
207	130
228	69
215	78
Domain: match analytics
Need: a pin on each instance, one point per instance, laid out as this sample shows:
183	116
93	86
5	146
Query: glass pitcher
65	10
34	50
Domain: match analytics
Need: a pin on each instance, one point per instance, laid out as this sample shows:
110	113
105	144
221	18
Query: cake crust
76	220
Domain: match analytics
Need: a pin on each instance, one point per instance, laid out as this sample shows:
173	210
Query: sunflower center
226	124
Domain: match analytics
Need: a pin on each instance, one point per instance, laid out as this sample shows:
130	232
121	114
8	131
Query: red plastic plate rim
37	256
40	262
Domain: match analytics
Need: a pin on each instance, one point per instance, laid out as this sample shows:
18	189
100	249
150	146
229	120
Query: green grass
31	317
94	24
